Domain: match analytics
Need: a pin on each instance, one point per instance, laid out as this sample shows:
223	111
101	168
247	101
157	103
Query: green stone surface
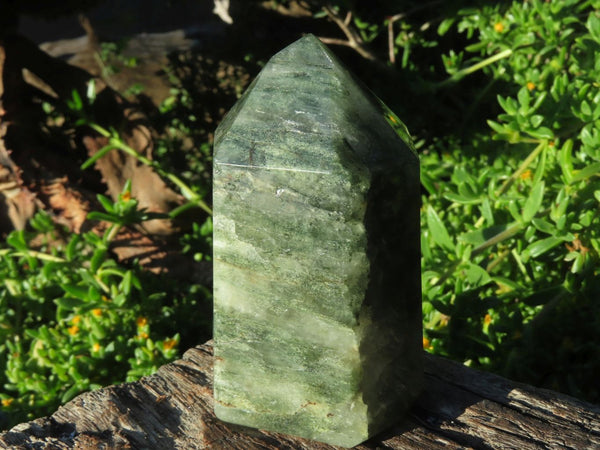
317	304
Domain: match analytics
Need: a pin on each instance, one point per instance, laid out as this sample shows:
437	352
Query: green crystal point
317	307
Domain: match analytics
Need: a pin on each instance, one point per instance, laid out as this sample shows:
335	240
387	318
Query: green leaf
445	25
76	104
593	24
97	331
50	268
69	303
70	393
543	225
119	300
512	284
533	202
541	133
498	128
591	170
541	167
126	283
97	259
586	109
463	200
91	91
71	246
565	160
578	263
80	292
96	156
106	203
514	210
32	333
476	275
478	237
94	294
96	215
524	99
507	105
536	120
540	247
428	183
539	100
438	230
16	239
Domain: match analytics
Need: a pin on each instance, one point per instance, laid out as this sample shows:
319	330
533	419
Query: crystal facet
317	307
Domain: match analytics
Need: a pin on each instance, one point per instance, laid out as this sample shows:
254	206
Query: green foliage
72	319
510	231
503	101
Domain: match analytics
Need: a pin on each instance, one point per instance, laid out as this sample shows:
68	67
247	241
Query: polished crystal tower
317	304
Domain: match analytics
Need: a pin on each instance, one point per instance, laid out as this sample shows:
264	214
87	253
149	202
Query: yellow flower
141	321
97	312
498	27
126	196
96	347
75	320
530	85
105	298
426	344
487	319
168	344
6	402
73	330
143	335
525	175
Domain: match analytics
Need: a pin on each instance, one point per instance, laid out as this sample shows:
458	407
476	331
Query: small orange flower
141	321
530	85
96	347
75	320
97	312
168	344
73	330
526	175
498	27
426	343
126	196
143	335
6	402
487	319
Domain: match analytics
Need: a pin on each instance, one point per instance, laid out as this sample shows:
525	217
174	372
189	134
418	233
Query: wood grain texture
172	409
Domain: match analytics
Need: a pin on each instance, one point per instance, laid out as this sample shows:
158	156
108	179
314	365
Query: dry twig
353	39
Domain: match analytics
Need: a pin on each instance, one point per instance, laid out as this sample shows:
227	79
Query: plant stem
186	191
475	67
509	232
34	254
541	146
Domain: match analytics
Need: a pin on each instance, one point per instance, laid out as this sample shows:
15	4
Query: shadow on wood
459	408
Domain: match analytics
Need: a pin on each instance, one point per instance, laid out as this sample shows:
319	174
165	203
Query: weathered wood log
459	408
